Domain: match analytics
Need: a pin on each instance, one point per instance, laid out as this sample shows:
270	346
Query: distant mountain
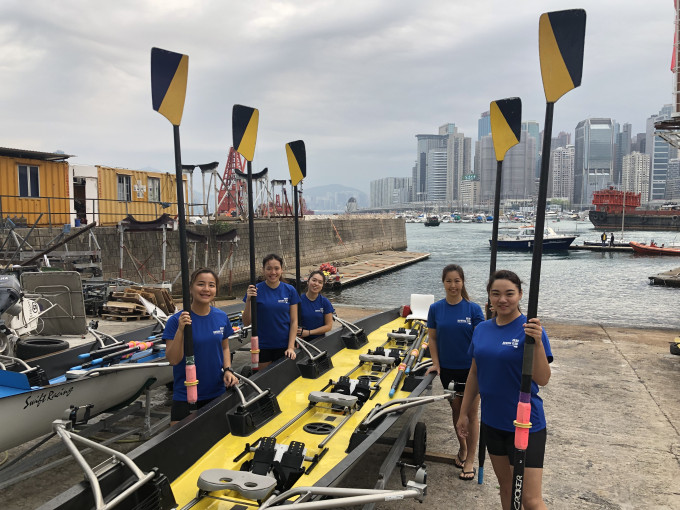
333	198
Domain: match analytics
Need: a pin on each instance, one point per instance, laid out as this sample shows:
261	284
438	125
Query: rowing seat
378	359
402	334
337	399
457	388
249	485
420	306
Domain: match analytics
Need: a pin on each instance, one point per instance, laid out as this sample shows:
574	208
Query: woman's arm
434	354
229	378
174	349
327	326
541	368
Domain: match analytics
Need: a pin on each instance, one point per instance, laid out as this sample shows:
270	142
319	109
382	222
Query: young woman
450	323
316	312
497	350
277	305
210	329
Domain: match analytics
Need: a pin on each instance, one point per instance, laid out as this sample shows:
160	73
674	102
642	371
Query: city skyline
354	80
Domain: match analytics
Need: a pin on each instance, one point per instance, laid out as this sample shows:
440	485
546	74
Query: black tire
29	348
675	348
419	443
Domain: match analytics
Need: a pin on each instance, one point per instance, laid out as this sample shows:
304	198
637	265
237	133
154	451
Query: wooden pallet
124	318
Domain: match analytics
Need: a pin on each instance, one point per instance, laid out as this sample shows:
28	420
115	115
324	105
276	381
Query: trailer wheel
419	443
29	348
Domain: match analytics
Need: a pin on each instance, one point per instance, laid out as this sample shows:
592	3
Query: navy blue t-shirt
208	332
498	353
454	325
312	313
273	314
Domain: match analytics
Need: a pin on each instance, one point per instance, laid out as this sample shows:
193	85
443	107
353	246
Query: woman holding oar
277	304
316	312
211	330
496	373
450	323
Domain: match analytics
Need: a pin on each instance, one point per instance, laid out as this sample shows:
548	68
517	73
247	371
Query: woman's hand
533	329
462	425
229	379
434	368
300	332
184	320
290	353
251	291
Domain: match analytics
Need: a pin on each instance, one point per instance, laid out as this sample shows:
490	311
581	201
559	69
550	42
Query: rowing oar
297	166
169	72
408	361
109	350
561	37
506	125
244	122
140	346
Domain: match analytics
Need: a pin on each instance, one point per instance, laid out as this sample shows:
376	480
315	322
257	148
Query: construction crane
233	192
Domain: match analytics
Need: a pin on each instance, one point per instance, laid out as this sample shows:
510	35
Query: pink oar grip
521	429
191	383
254	352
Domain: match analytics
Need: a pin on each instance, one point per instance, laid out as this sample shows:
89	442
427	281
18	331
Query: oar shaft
254	340
297	239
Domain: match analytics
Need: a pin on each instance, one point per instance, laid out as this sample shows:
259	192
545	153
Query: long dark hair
272	256
504	274
459	270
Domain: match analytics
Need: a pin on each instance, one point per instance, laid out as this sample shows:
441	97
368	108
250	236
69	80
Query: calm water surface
576	286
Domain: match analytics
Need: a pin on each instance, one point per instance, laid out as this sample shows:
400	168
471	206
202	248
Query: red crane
233	192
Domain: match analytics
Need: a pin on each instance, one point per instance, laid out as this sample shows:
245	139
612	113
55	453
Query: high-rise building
561	140
624	140
390	191
673	180
660	153
437	176
593	158
531	127
484	125
426	143
563	172
635	174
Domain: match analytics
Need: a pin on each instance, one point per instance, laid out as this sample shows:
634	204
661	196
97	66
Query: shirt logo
466	320
511	343
284	300
219	331
320	310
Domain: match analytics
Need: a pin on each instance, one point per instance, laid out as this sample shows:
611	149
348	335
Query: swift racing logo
517	496
45	396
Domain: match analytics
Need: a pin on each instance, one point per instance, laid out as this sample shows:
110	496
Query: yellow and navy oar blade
297	161
244	122
561	37
169	72
506	124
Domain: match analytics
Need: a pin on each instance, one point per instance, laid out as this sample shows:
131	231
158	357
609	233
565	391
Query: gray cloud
357	80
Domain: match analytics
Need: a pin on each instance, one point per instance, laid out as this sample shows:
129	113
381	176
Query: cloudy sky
356	80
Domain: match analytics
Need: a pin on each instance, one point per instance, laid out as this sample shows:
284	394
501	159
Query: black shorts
459	375
502	443
271	354
181	409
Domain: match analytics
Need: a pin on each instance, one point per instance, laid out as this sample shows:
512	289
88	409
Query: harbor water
582	287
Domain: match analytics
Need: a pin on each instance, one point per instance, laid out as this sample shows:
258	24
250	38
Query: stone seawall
321	240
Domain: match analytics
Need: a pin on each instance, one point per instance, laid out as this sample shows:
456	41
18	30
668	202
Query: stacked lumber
125	305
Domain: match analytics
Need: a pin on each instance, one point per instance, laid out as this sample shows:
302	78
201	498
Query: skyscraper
531	127
624	140
484	125
593	158
659	152
635	174
390	190
563	172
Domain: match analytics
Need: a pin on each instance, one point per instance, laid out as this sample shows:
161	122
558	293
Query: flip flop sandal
464	475
458	462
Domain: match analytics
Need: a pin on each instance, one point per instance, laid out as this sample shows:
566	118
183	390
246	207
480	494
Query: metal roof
42	156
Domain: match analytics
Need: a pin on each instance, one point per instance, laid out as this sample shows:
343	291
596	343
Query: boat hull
204	435
27	415
645	249
528	244
647	220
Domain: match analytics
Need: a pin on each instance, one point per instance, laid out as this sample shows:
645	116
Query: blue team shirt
273	314
498	353
454	325
208	332
312	313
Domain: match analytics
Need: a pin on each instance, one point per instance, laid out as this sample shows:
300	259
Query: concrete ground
613	430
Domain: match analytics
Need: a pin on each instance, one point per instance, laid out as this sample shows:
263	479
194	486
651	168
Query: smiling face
453	285
204	289
505	297
315	283
272	272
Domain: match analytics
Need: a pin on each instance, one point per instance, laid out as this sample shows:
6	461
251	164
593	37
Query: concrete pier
669	278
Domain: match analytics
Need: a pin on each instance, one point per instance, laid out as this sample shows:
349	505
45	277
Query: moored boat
240	451
614	209
432	221
654	249
522	239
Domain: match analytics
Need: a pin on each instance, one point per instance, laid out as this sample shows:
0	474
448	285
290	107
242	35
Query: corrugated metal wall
112	210
54	192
